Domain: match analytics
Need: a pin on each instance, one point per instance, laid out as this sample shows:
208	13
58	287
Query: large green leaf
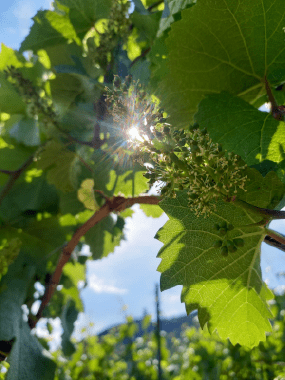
68	317
49	28
128	183
26	131
147	24
228	291
227	45
26	358
62	165
151	210
173	14
64	90
125	179
241	128
84	13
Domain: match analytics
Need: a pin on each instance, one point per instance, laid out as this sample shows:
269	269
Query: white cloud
24	11
100	286
171	298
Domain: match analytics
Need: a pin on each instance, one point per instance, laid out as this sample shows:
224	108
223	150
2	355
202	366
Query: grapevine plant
104	100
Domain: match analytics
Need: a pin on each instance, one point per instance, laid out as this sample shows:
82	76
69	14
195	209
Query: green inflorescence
118	26
38	107
181	159
9	250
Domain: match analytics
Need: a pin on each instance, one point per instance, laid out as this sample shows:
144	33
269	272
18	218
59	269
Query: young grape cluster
226	245
8	253
190	160
184	159
117	27
37	105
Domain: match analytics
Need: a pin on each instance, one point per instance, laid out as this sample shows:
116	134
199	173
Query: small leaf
86	194
62	166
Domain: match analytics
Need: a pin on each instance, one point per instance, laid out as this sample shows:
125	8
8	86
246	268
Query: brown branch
14	175
276	236
274	243
276	111
268	213
143	54
270	94
115	204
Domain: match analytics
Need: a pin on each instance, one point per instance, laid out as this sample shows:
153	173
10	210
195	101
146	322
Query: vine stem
270	214
275	235
116	204
14	175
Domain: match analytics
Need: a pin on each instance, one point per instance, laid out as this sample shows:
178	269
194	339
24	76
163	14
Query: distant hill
172	325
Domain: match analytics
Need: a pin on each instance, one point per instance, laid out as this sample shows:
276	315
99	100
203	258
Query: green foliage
192	355
69	160
231	55
264	142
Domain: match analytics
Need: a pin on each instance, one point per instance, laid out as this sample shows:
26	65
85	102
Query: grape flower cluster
185	159
117	26
37	105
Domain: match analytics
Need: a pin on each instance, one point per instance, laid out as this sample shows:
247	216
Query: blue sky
124	282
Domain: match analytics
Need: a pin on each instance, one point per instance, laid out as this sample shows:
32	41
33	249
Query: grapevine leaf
102	239
141	71
69	203
84	13
128	183
75	272
139	7
12	157
62	166
265	167
157	57
36	195
27	359
10	57
49	231
233	54
152	210
64	89
128	212
241	128
49	28
147	24
86	194
27	199
26	131
68	317
270	186
174	9
228	292
112	179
